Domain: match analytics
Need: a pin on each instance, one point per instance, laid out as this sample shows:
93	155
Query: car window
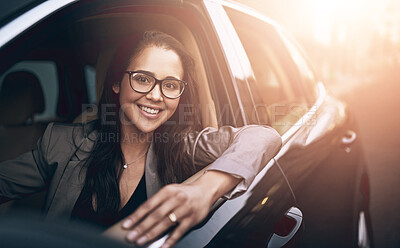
277	86
69	53
90	79
306	73
68	49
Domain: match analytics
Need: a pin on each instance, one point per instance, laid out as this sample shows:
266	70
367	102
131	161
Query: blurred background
354	46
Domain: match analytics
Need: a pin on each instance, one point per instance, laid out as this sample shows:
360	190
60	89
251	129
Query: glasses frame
157	81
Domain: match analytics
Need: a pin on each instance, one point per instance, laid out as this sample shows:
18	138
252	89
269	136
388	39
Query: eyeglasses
143	82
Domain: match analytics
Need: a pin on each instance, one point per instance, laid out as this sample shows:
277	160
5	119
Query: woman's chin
147	130
147	127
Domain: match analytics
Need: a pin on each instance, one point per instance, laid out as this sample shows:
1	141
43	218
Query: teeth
149	110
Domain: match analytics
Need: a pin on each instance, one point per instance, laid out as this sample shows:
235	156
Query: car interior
84	47
21	98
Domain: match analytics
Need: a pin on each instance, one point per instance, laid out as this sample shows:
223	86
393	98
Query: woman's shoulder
57	131
63	138
82	129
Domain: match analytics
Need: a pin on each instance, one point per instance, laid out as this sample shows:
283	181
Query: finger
155	218
145	209
164	223
179	231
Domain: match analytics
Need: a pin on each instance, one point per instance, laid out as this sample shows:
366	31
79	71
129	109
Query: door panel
323	175
320	167
248	220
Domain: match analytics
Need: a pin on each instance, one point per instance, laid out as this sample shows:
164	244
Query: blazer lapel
153	182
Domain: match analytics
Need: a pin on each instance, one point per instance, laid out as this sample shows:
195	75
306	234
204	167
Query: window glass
46	73
90	78
276	87
306	73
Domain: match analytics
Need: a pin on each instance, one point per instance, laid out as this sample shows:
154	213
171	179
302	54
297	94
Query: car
313	193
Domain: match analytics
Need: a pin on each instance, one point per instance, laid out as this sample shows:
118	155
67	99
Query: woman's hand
189	203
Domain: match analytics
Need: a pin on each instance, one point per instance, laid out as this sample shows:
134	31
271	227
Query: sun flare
330	16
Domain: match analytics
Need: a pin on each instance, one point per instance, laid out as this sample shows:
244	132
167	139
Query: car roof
9	10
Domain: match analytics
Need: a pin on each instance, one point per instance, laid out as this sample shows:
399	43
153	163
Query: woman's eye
142	79
170	85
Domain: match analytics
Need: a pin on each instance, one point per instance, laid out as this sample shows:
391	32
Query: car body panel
318	164
248	220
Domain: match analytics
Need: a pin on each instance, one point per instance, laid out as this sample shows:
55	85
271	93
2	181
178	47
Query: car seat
21	97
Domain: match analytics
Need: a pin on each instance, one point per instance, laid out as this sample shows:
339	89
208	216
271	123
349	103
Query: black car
314	193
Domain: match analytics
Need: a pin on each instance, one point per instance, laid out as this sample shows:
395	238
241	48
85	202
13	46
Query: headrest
21	96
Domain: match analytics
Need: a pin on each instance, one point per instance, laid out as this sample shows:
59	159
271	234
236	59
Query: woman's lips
150	112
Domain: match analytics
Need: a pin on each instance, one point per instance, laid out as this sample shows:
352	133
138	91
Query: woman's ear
116	87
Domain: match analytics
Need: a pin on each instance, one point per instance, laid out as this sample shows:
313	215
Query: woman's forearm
236	151
215	184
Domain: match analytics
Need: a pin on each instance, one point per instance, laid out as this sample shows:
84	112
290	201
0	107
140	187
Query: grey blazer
242	152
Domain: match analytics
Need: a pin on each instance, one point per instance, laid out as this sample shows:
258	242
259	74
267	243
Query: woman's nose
155	94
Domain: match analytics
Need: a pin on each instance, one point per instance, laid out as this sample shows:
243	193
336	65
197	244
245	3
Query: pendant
125	166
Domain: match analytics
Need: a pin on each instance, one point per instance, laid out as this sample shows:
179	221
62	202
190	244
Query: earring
116	87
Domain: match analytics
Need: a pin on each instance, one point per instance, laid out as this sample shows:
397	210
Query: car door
332	192
320	157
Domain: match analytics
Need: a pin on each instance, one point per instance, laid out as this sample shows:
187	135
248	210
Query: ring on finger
172	217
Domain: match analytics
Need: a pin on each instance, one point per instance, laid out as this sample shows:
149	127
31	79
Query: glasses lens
172	88
141	82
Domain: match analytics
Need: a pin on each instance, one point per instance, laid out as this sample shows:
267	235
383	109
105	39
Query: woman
103	170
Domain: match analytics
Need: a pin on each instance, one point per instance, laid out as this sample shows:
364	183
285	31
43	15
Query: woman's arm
241	152
238	154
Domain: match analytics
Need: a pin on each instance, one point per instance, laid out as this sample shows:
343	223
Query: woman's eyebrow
146	72
171	77
152	74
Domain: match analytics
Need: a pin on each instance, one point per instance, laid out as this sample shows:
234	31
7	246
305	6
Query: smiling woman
143	140
155	107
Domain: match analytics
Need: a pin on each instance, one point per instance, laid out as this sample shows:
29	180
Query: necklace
126	164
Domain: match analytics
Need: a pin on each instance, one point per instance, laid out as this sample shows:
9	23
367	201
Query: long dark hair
104	165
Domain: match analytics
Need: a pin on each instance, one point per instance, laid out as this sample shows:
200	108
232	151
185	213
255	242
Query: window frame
25	21
292	70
